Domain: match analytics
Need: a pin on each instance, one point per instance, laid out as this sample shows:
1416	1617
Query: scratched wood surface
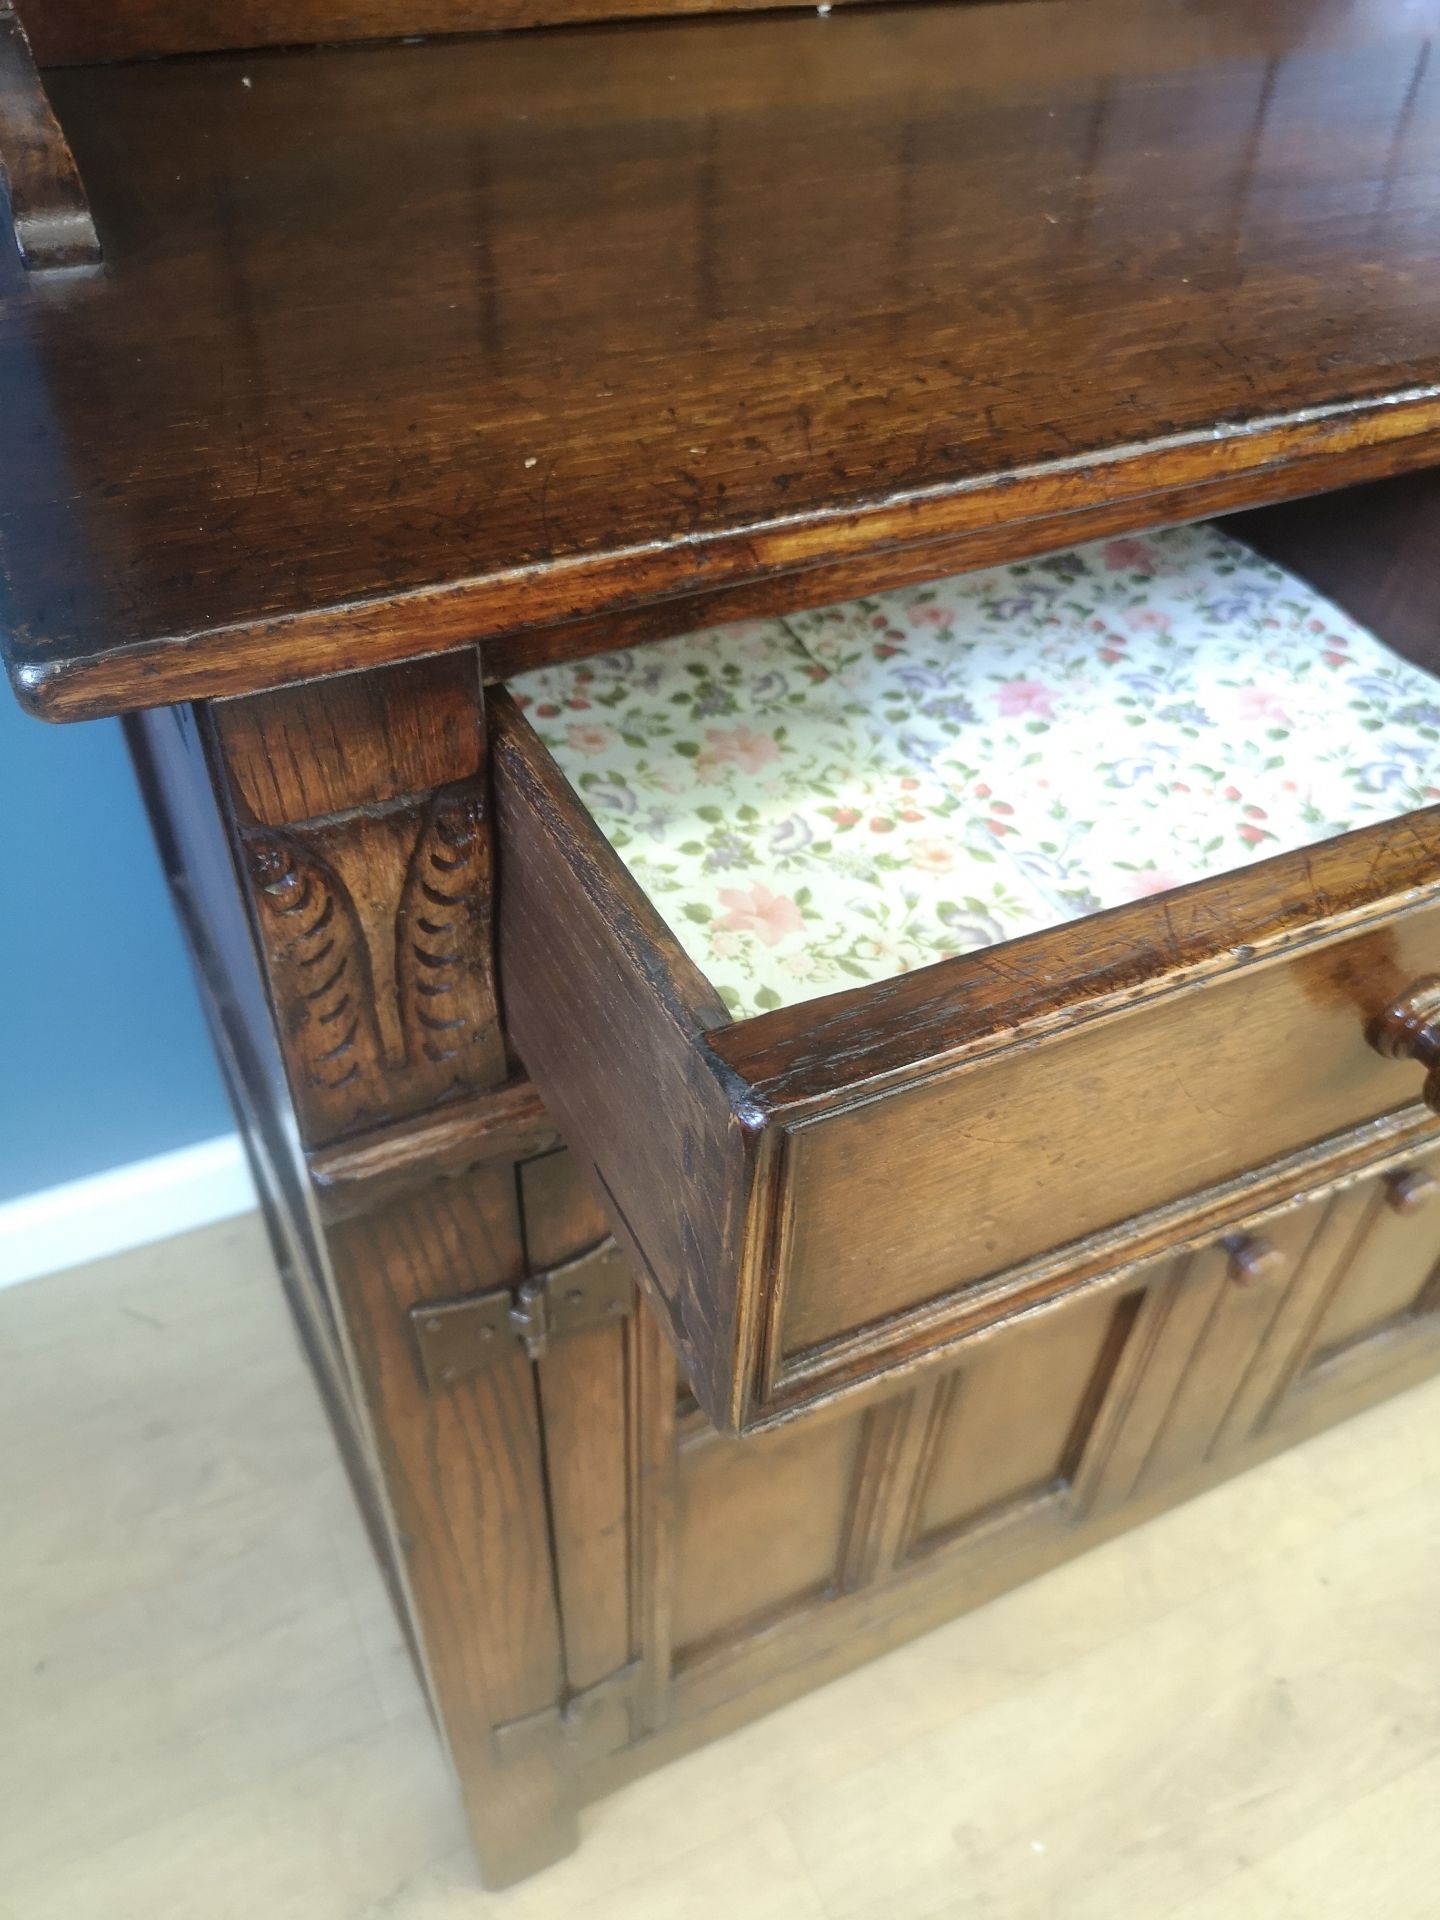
401	347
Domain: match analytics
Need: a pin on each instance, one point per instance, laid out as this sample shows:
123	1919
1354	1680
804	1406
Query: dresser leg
329	850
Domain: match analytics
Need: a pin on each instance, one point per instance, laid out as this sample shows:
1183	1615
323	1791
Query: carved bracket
48	207
361	811
379	941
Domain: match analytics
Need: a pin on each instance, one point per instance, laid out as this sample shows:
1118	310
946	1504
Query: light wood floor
205	1710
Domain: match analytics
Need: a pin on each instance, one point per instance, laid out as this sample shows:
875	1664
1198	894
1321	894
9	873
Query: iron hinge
592	1723
458	1338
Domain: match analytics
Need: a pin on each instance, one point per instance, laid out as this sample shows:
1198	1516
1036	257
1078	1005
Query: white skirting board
129	1206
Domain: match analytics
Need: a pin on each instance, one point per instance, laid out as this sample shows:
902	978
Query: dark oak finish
86	30
789	1185
363	817
48	208
1402	605
464	1476
399	348
573	340
453	1488
614	1013
797	1554
595	1578
508	1124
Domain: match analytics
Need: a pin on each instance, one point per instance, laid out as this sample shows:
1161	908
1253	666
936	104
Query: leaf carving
321	982
444	961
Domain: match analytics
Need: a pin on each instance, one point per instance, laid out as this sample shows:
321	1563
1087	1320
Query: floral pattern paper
843	795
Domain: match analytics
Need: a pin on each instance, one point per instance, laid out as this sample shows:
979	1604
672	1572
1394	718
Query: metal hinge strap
458	1338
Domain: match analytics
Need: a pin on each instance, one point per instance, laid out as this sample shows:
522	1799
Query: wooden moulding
48	208
527	613
371	1168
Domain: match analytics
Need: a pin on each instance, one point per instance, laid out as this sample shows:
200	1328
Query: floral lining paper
840	796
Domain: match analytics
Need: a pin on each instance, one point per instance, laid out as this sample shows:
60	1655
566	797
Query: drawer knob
1409	1189
1410	1030
1252	1258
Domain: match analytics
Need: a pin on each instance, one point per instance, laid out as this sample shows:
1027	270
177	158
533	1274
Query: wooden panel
896	1441
650	1413
1167	1314
1018	1414
169	751
400	347
169	757
808	1649
1375	550
1285	1337
1235	1321
453	1487
608	1009
354	741
760	1524
1353	1308
376	869
1385	1277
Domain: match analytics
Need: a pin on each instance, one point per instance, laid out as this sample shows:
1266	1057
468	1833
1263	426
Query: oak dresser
784	665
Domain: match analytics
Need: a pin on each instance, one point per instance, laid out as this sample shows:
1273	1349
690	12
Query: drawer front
840	1190
982	1168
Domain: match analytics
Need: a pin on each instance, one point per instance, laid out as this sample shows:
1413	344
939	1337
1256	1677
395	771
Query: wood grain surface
400	348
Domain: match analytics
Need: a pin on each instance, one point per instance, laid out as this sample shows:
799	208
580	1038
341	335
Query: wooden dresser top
400	347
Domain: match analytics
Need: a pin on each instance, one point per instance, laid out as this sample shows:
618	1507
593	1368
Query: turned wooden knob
1410	1030
1409	1189
1252	1258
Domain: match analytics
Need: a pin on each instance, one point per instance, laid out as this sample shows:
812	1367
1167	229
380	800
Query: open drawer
836	1188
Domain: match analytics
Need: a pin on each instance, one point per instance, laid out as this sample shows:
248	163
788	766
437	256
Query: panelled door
697	1570
693	1566
1278	1332
1358	1318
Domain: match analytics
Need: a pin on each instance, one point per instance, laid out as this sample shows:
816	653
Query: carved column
358	811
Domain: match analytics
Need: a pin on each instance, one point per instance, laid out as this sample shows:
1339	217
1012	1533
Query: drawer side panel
607	1013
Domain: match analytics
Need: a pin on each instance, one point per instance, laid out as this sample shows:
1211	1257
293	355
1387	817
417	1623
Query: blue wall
103	1053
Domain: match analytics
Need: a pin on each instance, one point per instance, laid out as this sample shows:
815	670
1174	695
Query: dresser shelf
399	347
